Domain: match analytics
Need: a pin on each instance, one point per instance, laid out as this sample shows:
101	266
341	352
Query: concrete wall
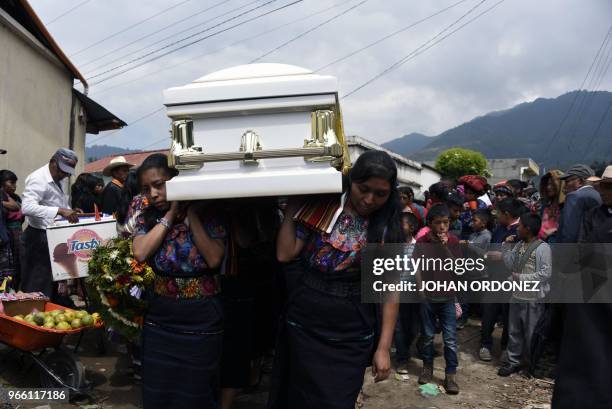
418	179
514	168
35	104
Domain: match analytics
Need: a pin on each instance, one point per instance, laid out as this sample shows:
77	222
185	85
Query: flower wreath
116	285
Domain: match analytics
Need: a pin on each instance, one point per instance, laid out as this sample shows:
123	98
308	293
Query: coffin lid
251	81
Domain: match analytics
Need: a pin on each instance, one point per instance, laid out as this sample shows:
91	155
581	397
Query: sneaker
426	374
450	385
507	370
484	354
402	369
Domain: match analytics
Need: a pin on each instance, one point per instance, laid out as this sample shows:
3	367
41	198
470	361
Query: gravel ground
114	386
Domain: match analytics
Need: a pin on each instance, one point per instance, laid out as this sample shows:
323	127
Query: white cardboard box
71	245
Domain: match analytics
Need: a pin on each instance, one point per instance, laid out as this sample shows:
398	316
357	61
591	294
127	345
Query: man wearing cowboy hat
44	198
118	168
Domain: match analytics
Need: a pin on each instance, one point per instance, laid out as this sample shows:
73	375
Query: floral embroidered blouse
178	255
338	250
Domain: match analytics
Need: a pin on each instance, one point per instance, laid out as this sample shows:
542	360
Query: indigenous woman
329	336
183	326
551	193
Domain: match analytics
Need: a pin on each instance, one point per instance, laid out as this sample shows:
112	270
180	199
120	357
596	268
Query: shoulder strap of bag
523	260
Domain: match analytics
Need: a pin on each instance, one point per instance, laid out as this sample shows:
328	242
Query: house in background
515	168
40	110
418	176
135	158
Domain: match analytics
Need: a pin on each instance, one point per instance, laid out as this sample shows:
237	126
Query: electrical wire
198	40
128	28
145	116
310	30
380	40
249	38
424	47
141	57
173	24
70	10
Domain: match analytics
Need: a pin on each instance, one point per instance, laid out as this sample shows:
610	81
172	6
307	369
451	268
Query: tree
456	162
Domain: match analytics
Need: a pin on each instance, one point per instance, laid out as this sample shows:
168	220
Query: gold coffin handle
334	150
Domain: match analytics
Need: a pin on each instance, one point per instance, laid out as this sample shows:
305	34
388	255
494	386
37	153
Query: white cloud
519	51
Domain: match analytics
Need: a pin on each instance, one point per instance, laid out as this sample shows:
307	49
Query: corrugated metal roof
133	158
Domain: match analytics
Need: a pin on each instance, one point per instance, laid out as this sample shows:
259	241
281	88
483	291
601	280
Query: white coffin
256	130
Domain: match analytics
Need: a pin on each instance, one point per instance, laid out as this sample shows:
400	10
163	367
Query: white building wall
35	103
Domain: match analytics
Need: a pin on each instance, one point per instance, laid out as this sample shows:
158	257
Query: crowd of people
237	280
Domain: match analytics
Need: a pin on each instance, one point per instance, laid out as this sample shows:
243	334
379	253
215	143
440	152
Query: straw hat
606	176
115	162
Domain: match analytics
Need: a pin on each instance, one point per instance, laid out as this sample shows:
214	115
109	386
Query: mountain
544	130
95	152
409	144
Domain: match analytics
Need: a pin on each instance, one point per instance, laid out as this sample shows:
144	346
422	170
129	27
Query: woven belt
186	287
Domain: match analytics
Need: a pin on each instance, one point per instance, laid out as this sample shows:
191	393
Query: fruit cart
57	367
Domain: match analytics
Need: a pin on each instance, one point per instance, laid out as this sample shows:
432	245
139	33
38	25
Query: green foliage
114	275
456	162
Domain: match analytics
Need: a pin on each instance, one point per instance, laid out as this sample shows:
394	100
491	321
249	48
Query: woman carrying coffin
183	328
329	336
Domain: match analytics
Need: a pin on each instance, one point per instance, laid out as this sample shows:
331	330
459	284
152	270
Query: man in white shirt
44	198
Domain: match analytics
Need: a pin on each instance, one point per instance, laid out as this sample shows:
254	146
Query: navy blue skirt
324	347
182	344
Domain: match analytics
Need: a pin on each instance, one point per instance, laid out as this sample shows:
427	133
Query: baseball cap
66	160
578	170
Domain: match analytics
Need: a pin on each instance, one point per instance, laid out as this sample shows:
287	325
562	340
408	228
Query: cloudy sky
516	52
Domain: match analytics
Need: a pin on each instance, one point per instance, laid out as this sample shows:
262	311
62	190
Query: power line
329	20
260	34
151	34
401	30
154	143
141	57
70	10
145	116
172	35
198	40
603	118
424	47
600	69
129	27
576	96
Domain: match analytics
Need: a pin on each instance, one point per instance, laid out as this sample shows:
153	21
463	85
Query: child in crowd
454	202
439	305
529	260
477	246
13	219
407	326
508	213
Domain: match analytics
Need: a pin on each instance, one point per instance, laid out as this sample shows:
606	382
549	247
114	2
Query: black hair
131	188
154	161
406	189
485	216
437	210
439	190
84	187
533	222
7	175
455	198
512	206
412	219
516	184
384	223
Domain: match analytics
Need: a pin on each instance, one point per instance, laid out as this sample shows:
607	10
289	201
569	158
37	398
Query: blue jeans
445	313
